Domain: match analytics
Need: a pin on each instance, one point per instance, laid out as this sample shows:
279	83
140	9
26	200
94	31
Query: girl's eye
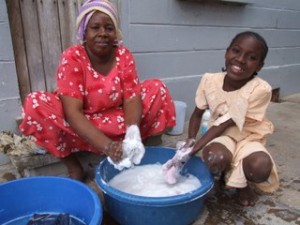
252	57
235	50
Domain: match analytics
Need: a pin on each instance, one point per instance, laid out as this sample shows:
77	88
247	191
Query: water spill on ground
223	209
285	214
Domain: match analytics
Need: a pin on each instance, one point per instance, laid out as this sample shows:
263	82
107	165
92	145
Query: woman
99	98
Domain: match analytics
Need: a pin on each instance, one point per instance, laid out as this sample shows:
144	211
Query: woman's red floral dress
43	117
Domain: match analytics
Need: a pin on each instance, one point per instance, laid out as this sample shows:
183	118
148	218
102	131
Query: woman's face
100	34
243	58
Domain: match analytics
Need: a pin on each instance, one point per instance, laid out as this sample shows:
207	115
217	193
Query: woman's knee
34	100
155	85
257	167
217	157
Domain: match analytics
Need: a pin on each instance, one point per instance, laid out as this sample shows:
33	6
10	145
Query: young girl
234	145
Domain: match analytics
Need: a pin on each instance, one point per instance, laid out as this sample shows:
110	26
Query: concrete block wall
10	105
178	40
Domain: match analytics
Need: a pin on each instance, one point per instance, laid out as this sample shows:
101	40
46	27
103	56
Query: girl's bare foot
246	196
74	167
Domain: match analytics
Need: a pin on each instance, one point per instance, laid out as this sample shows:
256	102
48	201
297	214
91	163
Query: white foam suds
149	181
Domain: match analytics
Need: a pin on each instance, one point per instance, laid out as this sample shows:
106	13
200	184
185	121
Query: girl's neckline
236	90
223	84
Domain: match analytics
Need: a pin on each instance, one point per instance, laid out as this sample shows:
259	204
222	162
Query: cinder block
8	172
32	161
53	169
4	159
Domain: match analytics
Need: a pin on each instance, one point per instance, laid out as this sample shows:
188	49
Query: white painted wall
178	41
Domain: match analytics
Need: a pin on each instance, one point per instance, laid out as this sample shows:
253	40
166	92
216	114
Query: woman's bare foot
74	167
246	196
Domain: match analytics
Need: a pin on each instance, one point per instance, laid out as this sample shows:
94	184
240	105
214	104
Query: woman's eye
94	27
110	28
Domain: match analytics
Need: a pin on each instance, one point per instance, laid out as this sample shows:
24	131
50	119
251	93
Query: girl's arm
213	132
195	122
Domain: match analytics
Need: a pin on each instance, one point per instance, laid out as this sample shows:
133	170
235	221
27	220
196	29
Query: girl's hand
173	166
114	150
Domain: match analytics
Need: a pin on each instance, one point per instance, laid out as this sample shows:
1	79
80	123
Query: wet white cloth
172	167
133	149
52	219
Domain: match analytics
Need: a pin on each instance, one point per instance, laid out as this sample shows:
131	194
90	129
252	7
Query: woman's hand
132	150
114	150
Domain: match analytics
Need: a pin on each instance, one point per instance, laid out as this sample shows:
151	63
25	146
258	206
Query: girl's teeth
237	68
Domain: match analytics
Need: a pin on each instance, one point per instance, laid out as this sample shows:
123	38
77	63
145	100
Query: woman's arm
73	110
133	111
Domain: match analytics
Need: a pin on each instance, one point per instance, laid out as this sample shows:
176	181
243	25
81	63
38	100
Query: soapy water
149	181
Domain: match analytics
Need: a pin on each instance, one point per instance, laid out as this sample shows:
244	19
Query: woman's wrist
111	146
107	147
114	150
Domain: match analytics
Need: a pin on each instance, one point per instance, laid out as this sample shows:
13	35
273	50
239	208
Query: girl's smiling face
243	58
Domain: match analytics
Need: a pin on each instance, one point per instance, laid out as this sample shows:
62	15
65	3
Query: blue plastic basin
26	196
128	209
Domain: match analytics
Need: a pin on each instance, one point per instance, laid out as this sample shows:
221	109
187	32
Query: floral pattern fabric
102	96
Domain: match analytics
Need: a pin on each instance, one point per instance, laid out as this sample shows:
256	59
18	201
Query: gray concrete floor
280	208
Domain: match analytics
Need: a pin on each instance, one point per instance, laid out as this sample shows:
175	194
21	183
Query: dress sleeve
259	101
131	83
200	98
70	74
